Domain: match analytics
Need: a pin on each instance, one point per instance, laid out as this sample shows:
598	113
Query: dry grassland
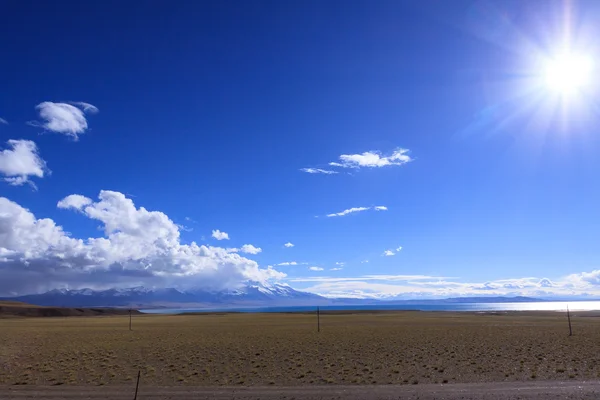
285	349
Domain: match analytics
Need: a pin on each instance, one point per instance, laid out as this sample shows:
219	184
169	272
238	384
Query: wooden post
130	319
569	318
318	320
137	385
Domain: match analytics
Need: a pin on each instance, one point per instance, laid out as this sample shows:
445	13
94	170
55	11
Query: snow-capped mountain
252	293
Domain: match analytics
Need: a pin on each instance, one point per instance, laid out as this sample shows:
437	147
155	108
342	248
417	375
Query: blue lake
529	306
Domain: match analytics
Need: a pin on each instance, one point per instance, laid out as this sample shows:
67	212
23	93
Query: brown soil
408	348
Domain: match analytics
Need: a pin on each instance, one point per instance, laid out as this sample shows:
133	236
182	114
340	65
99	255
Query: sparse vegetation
285	349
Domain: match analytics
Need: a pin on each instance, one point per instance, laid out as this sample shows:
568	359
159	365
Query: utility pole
569	318
318	320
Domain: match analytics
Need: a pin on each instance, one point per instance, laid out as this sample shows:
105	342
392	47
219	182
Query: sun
568	73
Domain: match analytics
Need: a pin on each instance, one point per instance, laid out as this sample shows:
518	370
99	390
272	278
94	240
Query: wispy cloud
336	269
315	268
340	263
288	245
373	159
355	210
86	107
318	171
217	234
64	118
20	161
292	263
392	252
3	121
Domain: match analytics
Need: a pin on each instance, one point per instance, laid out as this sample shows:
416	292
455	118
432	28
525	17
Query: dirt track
479	391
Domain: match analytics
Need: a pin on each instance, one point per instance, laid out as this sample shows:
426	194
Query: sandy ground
281	350
480	391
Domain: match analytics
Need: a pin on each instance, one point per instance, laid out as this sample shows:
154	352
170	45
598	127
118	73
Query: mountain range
251	294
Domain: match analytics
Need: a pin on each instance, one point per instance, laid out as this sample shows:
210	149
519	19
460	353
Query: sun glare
568	73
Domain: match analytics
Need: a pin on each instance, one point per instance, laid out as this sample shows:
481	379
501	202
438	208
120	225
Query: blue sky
210	114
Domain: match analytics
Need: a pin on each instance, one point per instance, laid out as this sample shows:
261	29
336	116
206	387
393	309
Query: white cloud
21	161
364	261
340	263
315	268
392	252
336	269
288	245
139	247
348	211
288	263
68	119
355	210
250	249
86	107
3	121
217	234
372	159
75	201
318	171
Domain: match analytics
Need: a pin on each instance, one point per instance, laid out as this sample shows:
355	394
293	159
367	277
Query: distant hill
20	309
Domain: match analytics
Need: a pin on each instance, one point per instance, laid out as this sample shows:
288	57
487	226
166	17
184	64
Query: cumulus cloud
217	234
3	121
74	201
67	119
373	159
318	171
20	161
139	247
315	268
288	245
250	249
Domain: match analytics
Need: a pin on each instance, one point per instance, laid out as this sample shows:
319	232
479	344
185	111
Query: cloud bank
389	287
139	247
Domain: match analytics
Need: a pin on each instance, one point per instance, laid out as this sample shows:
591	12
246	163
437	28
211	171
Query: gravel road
474	391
